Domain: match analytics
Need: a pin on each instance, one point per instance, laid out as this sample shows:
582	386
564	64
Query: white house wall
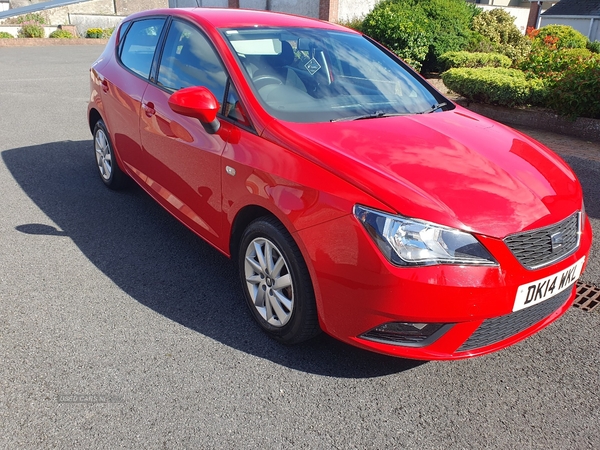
582	24
352	9
83	22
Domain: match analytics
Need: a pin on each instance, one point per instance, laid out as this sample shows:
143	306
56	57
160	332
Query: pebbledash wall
332	10
89	13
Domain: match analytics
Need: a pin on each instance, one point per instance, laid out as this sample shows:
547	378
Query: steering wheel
264	80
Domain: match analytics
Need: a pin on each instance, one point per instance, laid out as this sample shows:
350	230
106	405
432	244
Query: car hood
454	168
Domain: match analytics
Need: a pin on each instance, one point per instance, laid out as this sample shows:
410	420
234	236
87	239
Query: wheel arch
245	217
93	117
242	219
249	213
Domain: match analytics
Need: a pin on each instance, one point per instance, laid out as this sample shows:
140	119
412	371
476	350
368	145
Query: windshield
313	75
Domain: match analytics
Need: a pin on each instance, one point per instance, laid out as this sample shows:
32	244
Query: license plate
533	293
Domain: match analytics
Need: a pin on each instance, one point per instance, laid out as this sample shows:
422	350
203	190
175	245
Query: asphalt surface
121	329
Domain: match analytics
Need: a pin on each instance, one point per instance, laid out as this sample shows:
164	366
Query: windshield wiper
374	115
378	114
433	108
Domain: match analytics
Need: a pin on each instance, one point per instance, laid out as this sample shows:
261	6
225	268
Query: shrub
94	33
31	29
593	46
61	34
468	59
499	86
355	23
420	31
99	33
478	43
449	26
31	17
556	37
107	32
402	28
496	31
543	62
577	92
5	35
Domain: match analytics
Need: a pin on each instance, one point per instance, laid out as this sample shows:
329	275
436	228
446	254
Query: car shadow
588	172
161	264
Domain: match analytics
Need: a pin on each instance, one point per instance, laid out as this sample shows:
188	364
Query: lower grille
500	328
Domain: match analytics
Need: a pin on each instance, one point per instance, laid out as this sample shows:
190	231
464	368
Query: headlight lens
406	241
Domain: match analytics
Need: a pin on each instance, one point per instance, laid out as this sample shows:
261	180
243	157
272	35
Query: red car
355	198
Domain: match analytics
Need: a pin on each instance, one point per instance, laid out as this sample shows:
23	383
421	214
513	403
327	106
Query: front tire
110	173
276	282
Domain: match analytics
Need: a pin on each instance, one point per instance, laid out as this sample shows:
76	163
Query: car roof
242	18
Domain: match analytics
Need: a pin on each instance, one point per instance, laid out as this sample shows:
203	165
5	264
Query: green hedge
577	92
543	62
451	60
5	35
497	86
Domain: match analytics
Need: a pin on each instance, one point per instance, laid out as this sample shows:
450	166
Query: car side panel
121	94
181	165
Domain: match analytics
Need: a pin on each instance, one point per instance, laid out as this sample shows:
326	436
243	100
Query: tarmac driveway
120	329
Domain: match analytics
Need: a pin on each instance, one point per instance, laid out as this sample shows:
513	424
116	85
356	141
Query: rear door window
139	45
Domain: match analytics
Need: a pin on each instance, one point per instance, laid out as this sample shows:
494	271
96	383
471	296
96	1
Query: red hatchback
355	198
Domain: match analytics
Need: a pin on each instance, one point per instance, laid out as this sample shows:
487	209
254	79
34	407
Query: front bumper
357	289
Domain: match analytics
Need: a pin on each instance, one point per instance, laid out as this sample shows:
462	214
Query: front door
182	161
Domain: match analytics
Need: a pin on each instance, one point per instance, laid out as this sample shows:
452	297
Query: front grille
535	249
500	328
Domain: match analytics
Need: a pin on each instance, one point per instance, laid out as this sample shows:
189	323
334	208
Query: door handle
149	109
105	85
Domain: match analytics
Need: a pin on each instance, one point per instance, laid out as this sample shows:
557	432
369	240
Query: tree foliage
401	27
495	30
420	31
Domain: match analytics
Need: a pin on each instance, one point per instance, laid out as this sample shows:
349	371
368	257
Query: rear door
124	83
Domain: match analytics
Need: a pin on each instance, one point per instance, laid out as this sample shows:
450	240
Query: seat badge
557	240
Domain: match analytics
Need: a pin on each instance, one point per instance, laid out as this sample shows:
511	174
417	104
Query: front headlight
406	241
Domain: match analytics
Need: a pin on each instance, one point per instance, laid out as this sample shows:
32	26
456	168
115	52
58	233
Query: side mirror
199	103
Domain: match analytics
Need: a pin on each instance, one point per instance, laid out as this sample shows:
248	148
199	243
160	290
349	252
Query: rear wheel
276	282
109	170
